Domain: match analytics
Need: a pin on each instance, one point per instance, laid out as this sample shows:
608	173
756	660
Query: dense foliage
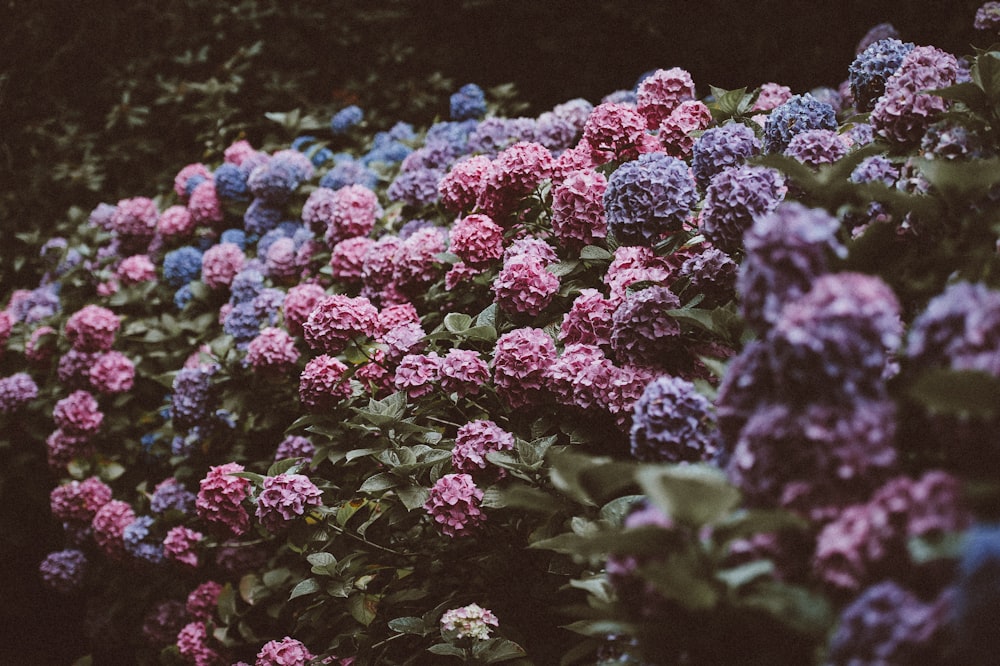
666	379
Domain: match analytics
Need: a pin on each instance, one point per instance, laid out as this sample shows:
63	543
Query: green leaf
595	253
412	497
944	547
961	393
286	465
960	181
692	494
379	483
497	650
737	577
363	607
680	577
796	607
253	477
457	322
322	563
590	480
563	268
227	604
488	317
111	470
409	625
446	650
304	587
746	523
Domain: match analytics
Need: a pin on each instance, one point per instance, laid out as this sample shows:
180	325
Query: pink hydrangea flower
6	326
462	186
523	286
661	92
377	271
238	151
299	302
577	158
79	501
534	247
281	262
634	263
771	96
344	213
220	264
614	131
418	374
454	505
513	175
40	345
175	221
347	259
220	498
397	314
92	328
582	376
323	383
905	111
470	621
578	209
588	320
459	274
337	320
179	545
286	652
415	262
675	131
816	146
520	361
204	204
62	448
284	498
193	644
113	372
273	350
78	414
406	338
109	524
476	239
474	440
463	372
135	269
188	172
135	218
203	601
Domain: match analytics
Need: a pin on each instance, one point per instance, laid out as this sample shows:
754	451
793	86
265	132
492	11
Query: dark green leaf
737	577
961	393
692	494
457	322
379	483
595	253
304	587
409	625
446	650
794	606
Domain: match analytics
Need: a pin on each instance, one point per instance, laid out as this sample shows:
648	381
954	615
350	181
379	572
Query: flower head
470	621
649	198
284	498
454	505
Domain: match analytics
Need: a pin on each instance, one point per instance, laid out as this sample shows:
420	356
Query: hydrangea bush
661	379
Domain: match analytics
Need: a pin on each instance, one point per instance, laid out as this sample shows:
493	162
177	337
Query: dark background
101	100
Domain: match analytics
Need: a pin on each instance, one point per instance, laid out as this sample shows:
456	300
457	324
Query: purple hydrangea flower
720	148
872	68
786	250
16	391
816	146
191	398
888	624
641	330
349	172
469	102
712	273
170	495
800	113
64	570
261	216
141	542
284	498
734	198
295	446
672	422
649	198
959	329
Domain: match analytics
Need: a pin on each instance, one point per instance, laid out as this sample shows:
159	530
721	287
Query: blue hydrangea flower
418	187
872	68
261	216
246	285
191	397
171	496
275	180
182	265
231	183
235	236
402	131
183	296
193	182
140	542
720	148
800	113
468	102
672	422
300	143
242	322
978	595
64	570
348	172
346	118
267	304
391	152
649	198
